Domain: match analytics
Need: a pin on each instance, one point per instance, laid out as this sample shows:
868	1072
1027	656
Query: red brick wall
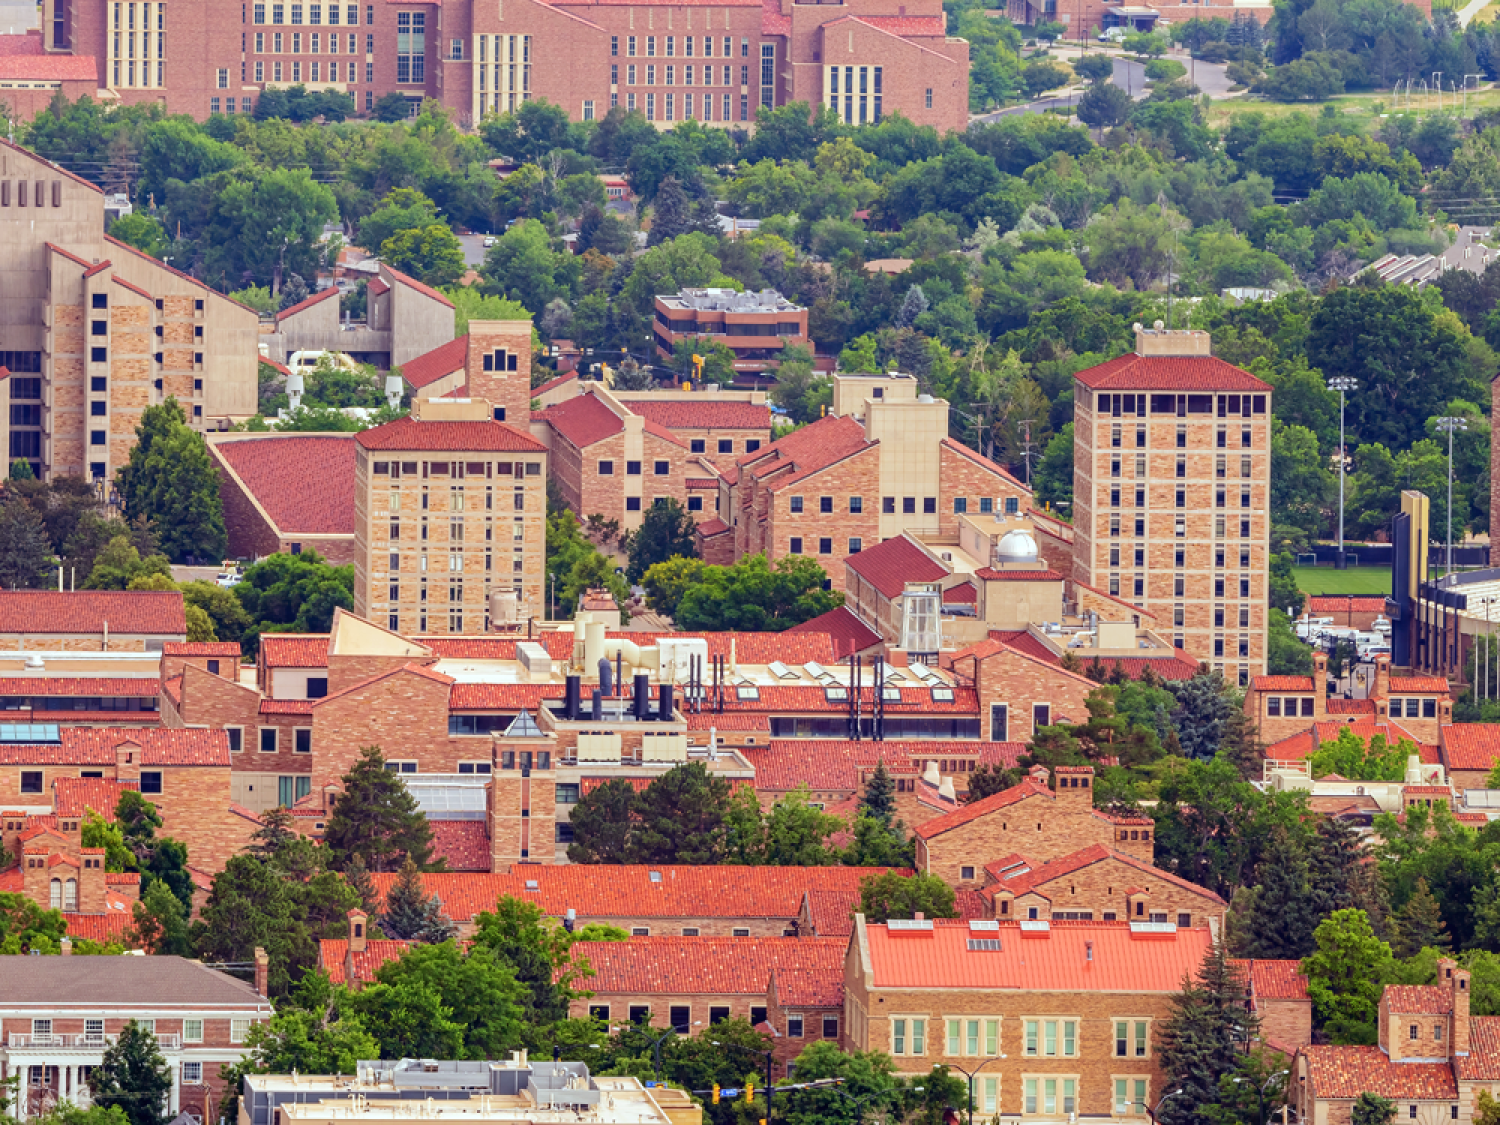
1021	683
963	476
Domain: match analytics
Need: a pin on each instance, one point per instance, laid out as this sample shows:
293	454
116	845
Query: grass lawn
1367	106
1370	581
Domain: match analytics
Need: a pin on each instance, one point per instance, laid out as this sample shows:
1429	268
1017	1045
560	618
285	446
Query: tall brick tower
1171	494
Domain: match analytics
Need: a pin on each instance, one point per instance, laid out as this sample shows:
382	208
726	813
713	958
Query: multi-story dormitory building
715	63
93	331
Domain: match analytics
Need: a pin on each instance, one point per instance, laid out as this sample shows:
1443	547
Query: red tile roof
437	364
111	926
166	746
1121	602
772	22
1031	878
1054	960
806	451
847	633
413	283
584	420
463	843
303	482
1351	707
702	482
134	612
27	43
1408	685
1418	999
976	809
1471	746
1483	1061
49	68
907	26
833	764
990	574
201	648
551	384
1281	683
294	650
1131	372
1330	603
306	303
808	988
79	685
1274	980
377	952
627	891
558	643
965	593
709	528
703	414
286	706
410	434
1348	1072
890	565
73	796
722	966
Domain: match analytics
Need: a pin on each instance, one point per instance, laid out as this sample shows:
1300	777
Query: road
1129	76
1470	10
473	245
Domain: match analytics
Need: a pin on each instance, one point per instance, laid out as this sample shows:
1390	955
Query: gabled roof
304	483
847	633
413	283
1281	683
73	796
113	983
78	685
1471	746
629	891
703	414
410	434
437	364
713	966
465	844
1132	372
1348	1072
1483	1061
809	988
150	612
1055	960
806	451
1418	999
1031	878
26	152
294	650
978	458
201	648
49	68
1274	980
1411	685
307	303
890	565
584	420
976	809
377	952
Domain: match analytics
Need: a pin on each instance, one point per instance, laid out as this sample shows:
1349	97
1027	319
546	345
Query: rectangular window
1130	1096
268	740
192	1073
31	781
192	1031
151	781
238	1029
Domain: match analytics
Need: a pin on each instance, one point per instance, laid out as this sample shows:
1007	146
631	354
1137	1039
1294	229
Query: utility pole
1449	426
1343	384
1026	443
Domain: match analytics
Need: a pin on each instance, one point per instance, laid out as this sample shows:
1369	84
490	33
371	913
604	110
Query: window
856	545
909	505
830	1027
999	722
238	1029
268	740
303	740
41	1030
794	545
661	468
960	505
1049	1089
235	734
726	445
1052	1038
856	504
93	1031
192	1030
929	505
680	1017
1130	1038
690	931
825	546
1130	1096
151	781
192	1073
632	468
908	1036
697	445
794	1026
606	468
31	781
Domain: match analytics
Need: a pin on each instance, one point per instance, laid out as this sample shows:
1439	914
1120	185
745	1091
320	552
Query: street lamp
971	1075
769	1056
1343	384
1153	1112
657	1042
1450	426
1261	1092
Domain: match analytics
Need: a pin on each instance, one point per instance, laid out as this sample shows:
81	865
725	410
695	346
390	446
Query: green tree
879	798
666	532
1280	908
262	222
680	817
666	583
891	895
410	913
293	594
432	254
1129	242
170	480
377	819
160	923
133	1076
400	210
1371	1109
142	231
25	555
1200	1042
1104	105
603	823
21	470
752	595
523	266
1204	705
1286	655
793	834
537	948
1419	925
800	390
1284	594
477	992
1351	757
158	859
1053	479
1344	976
120	563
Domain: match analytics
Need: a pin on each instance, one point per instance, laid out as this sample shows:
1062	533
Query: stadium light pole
1450	426
1343	384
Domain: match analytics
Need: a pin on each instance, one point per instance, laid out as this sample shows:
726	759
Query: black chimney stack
570	698
643	696
664	705
598	715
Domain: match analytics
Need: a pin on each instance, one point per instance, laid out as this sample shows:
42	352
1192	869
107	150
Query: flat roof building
756	326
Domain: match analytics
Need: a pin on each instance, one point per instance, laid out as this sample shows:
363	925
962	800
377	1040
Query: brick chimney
65	947
1075	787
1320	684
1456	980
262	972
128	762
1382	690
358	920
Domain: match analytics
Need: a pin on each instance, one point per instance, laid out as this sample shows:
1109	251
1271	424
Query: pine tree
170	480
357	875
274	833
879	800
671	212
1419	924
134	1076
1372	1109
25	554
1201	1041
294	291
912	307
1280	914
410	914
21	470
1334	867
160	923
377	819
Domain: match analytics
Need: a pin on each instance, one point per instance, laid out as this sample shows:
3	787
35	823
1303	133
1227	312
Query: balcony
17	1041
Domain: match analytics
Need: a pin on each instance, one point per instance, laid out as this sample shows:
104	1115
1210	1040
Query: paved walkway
1470	10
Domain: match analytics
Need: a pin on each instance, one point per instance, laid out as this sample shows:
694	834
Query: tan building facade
1171	487
95	331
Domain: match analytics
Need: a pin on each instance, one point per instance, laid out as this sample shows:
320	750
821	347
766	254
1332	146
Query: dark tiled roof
114	982
847	633
442	361
890	565
583	420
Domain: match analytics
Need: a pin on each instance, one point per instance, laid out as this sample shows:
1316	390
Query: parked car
229	579
1113	35
489	240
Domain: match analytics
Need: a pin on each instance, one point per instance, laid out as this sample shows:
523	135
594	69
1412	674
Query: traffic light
716	1093
750	1089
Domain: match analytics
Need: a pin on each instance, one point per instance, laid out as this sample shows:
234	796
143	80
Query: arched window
56	894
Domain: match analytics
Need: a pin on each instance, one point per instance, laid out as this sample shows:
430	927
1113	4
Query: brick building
754	326
715	64
690	984
1432	1058
1171	486
1276	991
95	331
1028	819
287	493
471	494
31	77
1055	1019
881	464
1282	706
615	454
61	1013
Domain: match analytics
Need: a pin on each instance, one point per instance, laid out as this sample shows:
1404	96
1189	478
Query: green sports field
1361	580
